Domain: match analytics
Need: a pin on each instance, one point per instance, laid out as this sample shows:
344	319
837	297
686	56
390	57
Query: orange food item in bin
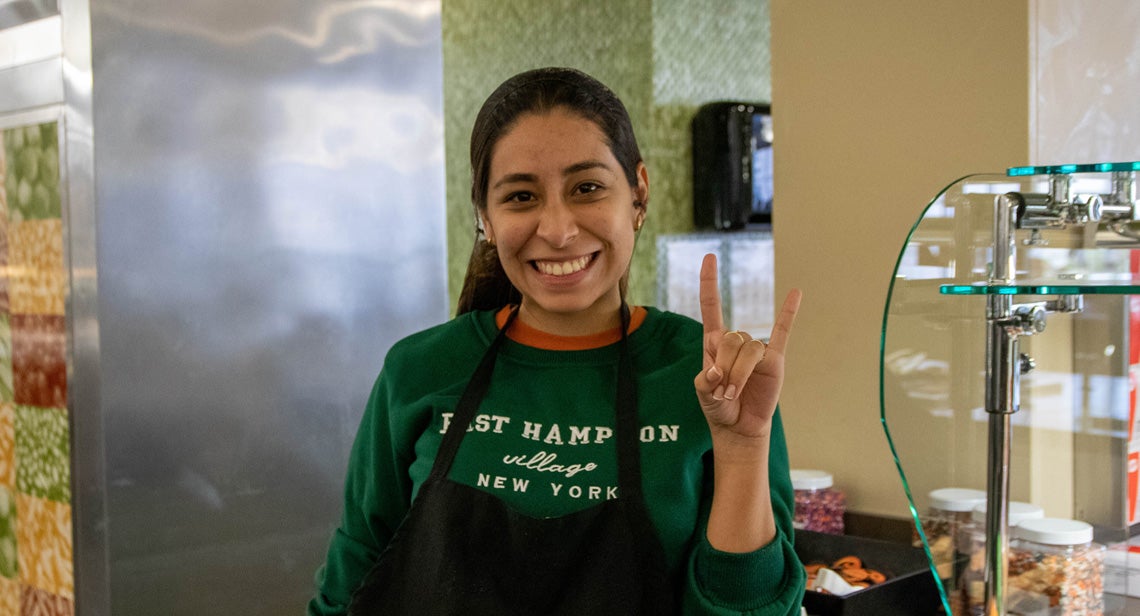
850	568
847	561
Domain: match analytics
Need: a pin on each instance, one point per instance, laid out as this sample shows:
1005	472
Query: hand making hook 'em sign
739	384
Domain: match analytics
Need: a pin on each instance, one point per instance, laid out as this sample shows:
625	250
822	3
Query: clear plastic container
950	509
819	505
968	594
1055	569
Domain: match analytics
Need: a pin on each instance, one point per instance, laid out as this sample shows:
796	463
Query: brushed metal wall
269	195
16	12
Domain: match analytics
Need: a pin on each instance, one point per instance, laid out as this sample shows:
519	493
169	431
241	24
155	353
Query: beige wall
877	107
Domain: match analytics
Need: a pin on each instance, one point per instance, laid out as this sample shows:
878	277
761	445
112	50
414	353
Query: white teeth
563	268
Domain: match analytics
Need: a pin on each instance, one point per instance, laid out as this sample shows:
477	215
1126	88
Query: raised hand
740	382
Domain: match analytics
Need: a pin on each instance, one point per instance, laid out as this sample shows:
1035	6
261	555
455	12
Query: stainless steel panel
270	215
31	42
31	85
90	542
16	12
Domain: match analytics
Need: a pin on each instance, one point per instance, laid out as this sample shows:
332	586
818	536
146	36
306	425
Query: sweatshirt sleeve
371	514
767	582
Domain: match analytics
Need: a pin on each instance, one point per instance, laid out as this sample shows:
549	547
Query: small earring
637	224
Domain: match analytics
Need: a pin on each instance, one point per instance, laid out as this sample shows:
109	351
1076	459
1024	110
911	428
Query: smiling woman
550	450
563	219
608	146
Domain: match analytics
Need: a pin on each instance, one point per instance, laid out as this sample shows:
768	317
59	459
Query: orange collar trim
524	334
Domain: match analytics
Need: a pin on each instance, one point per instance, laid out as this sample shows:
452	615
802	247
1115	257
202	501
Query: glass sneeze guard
987	381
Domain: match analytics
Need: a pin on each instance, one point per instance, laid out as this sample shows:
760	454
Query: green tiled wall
664	58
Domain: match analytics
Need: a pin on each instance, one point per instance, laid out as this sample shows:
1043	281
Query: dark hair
486	286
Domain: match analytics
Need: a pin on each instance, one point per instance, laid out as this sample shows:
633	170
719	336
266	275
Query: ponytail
486	286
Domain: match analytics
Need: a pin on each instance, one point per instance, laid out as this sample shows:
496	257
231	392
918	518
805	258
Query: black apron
461	550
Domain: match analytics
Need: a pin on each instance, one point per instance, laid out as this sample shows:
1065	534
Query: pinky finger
783	327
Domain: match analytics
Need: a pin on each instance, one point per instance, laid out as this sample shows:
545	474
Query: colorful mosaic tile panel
3	233
8	555
36	571
31	177
39	364
4	178
43	545
43	453
4	303
7	446
35	259
9	596
4	289
6	392
35	602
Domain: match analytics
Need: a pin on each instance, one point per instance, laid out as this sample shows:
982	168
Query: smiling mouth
563	268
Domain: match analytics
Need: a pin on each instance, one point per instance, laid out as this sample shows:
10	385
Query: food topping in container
819	505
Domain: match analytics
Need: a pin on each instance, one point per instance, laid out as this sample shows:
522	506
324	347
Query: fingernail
718	394
714	374
730	393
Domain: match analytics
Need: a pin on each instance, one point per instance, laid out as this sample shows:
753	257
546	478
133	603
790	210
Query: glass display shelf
1073	428
1076	284
1069	169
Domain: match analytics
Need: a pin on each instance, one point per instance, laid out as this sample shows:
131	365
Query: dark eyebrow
512	178
586	165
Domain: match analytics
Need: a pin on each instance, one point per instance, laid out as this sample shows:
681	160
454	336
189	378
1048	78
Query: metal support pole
997	514
1002	399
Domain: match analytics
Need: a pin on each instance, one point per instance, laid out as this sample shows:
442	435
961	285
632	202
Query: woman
551	450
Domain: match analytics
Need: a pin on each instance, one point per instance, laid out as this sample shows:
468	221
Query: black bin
908	591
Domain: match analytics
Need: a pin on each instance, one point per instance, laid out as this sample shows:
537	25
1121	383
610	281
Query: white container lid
956	499
1018	512
805	479
1054	531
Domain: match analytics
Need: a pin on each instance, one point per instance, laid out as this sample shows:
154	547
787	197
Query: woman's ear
488	232
641	191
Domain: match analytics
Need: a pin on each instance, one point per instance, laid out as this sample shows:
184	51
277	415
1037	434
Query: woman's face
561	213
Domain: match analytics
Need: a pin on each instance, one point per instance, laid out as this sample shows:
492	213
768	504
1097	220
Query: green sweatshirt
543	442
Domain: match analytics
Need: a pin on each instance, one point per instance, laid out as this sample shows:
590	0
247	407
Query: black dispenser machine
732	166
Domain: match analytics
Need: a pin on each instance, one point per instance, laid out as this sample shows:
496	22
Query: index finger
710	296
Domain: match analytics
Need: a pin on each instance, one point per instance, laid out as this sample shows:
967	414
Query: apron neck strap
469	403
627	428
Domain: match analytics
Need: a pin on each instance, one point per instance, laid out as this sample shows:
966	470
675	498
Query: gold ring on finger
764	344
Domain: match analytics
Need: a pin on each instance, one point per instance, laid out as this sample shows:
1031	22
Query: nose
557	225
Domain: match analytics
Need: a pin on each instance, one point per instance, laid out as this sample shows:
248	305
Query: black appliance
732	165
